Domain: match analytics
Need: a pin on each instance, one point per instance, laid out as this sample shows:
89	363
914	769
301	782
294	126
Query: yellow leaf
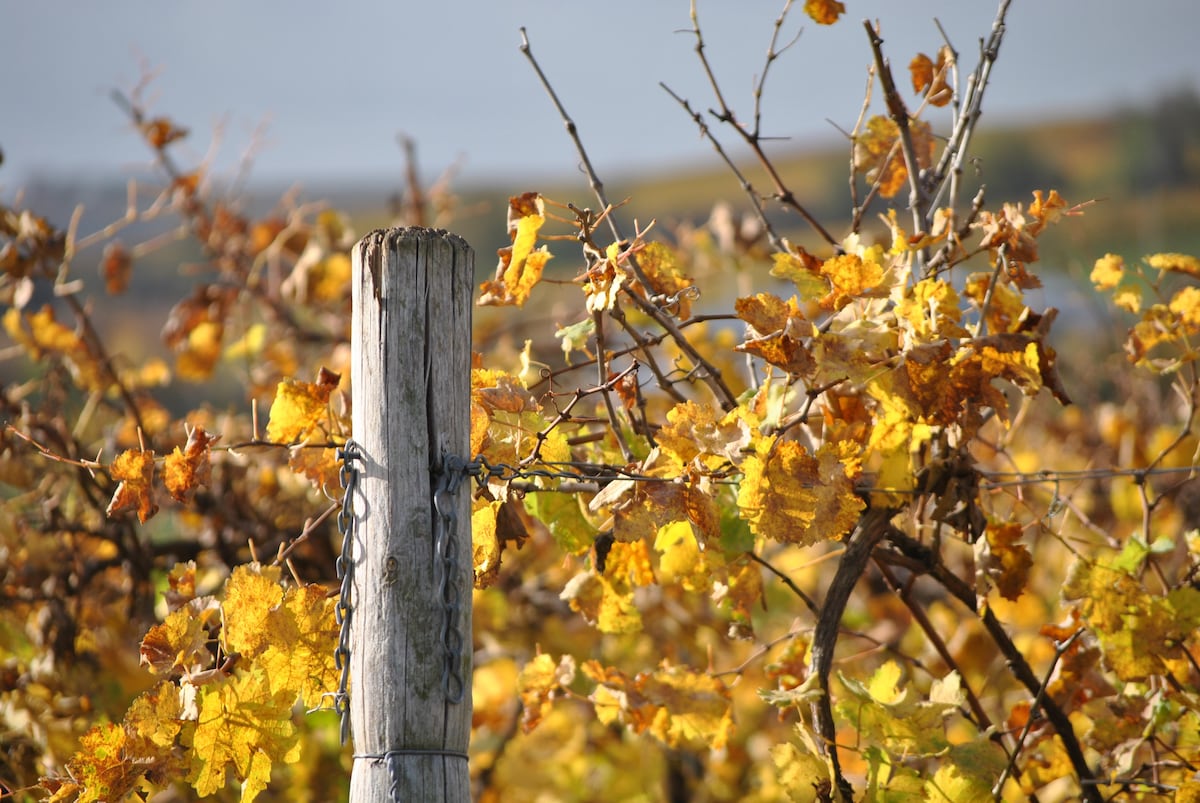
792	496
538	683
250	594
1108	272
1015	358
201	350
801	773
877	154
675	704
1175	263
45	334
329	278
604	281
1188	792
966	773
931	308
744	592
629	565
302	634
1141	634
660	265
134	470
851	277
244	728
180	642
484	545
680	560
1005	307
803	270
100	768
1128	298
299	408
602	605
1186	304
693	430
884	685
114	759
493	704
153	721
520	266
249	345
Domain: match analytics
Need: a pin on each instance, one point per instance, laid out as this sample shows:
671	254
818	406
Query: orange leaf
824	12
161	132
116	266
877	154
319	466
930	78
1007	561
134	470
184	470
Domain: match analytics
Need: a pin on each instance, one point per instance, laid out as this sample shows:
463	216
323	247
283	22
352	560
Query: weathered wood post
410	694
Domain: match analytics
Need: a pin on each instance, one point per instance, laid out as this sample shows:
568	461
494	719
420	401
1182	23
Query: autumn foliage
794	515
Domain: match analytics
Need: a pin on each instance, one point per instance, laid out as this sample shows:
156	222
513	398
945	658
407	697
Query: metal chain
445	572
349	455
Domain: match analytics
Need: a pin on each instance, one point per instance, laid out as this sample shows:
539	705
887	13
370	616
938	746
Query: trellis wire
455	469
481	468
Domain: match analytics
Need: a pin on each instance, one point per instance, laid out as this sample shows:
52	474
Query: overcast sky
333	83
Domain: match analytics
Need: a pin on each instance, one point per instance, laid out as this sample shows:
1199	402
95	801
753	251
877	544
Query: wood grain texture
411	356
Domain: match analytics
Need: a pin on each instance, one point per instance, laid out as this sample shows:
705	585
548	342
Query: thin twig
951	162
1059	651
708	372
748	188
787	581
754	138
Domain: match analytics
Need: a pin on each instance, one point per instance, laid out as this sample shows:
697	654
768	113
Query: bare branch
949	167
917	200
754	138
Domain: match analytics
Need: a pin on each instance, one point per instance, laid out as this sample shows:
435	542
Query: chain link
349	455
445	524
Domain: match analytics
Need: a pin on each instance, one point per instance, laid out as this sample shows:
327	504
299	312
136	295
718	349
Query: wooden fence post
410	371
